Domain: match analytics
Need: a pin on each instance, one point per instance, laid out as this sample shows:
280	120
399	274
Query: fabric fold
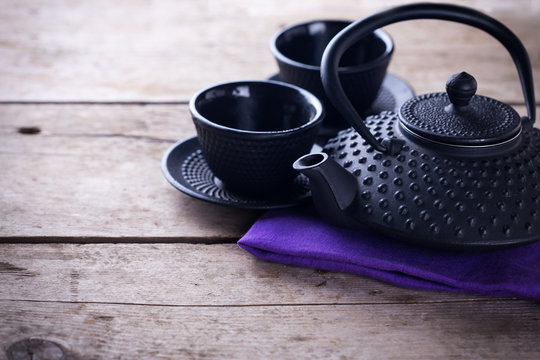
299	237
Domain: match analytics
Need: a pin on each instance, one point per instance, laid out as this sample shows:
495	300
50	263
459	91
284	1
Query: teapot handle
361	28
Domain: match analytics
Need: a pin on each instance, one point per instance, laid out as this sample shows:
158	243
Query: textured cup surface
252	131
298	50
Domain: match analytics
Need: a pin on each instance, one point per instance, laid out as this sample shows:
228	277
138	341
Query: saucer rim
191	144
388	77
399	97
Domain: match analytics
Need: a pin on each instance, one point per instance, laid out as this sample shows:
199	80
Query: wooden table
102	259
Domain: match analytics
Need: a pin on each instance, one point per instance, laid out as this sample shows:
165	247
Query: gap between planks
198	240
473	299
142	102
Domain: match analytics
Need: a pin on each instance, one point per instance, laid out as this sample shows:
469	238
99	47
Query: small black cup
251	132
298	50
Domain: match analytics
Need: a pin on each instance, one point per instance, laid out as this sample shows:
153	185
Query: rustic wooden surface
113	189
179	301
54	50
112	186
102	258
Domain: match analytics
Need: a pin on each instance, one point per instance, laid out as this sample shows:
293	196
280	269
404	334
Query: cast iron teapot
451	170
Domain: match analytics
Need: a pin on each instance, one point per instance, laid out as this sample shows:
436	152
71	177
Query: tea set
451	170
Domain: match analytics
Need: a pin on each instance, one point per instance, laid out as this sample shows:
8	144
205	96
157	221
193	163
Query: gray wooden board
182	275
92	174
468	330
125	301
167	50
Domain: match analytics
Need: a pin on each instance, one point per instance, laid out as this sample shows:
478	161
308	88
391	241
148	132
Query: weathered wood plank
93	172
183	275
167	50
494	330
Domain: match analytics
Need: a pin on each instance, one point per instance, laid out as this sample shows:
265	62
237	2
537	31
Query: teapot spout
333	189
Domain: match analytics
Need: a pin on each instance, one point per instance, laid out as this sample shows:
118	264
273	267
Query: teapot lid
459	117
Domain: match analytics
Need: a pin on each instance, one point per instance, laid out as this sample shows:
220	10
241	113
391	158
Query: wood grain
92	174
183	275
492	330
167	50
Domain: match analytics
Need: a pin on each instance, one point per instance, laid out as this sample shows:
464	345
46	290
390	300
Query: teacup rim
380	33
316	119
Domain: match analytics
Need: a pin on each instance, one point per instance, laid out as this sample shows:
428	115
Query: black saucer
393	93
184	167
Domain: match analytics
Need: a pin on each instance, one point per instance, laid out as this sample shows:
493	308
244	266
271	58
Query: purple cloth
299	237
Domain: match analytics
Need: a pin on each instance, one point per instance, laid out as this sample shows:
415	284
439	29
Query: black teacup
298	50
251	132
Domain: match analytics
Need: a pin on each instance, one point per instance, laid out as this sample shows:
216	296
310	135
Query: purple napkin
299	237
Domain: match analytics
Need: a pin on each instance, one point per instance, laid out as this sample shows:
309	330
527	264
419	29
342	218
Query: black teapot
451	170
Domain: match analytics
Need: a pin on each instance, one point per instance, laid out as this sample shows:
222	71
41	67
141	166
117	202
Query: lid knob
461	88
459	116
